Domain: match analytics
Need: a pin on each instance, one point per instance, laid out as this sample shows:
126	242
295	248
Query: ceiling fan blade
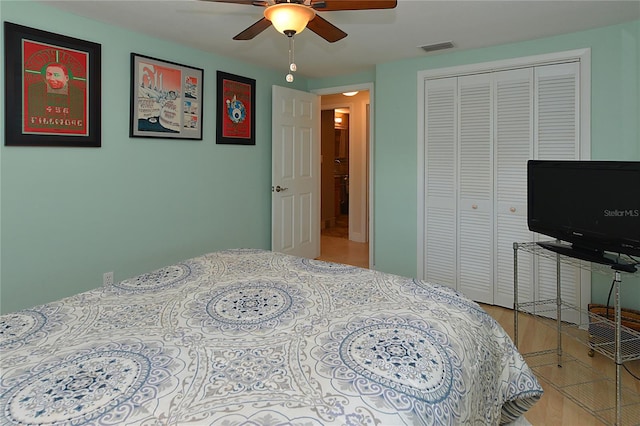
330	5
325	29
254	30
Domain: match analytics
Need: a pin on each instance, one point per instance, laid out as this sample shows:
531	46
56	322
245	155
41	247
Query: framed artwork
166	99
235	109
52	89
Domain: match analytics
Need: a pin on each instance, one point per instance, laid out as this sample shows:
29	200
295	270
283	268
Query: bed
253	337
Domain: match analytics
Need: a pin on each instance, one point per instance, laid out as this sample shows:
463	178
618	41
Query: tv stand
621	344
582	253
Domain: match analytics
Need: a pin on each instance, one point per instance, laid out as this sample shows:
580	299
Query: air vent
437	46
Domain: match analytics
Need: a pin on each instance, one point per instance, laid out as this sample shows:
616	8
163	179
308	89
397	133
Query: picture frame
52	89
235	109
166	99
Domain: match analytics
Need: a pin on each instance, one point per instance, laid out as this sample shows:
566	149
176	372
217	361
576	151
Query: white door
557	133
440	240
295	158
513	147
480	130
475	187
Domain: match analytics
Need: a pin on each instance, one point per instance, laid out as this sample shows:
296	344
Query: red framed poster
236	120
52	89
166	99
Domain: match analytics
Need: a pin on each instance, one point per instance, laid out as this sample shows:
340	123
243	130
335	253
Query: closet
479	132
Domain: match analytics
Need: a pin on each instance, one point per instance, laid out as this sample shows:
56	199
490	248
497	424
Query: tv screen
593	205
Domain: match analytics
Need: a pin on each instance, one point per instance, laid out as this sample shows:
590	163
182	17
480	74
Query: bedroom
69	215
58	202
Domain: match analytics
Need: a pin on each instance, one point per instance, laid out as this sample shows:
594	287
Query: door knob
279	188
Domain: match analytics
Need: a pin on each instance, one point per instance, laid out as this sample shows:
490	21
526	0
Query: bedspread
253	337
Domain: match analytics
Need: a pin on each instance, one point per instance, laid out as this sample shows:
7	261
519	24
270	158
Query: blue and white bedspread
251	337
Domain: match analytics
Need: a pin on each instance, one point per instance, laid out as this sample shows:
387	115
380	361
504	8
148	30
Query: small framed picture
52	89
166	99
235	110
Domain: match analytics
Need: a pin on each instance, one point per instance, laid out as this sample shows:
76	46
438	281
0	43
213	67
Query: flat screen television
591	206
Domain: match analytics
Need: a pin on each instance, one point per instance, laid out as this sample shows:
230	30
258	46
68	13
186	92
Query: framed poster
52	89
235	109
166	99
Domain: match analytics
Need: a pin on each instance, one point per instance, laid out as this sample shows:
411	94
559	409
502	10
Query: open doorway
345	178
335	172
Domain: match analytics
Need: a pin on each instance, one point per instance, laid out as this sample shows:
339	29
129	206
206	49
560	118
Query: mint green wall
615	129
70	214
67	215
615	135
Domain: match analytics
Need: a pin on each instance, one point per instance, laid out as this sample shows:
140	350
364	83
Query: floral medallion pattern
330	268
158	279
248	306
251	337
20	325
251	303
90	385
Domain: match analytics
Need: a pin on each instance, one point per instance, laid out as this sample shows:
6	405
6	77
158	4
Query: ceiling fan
292	16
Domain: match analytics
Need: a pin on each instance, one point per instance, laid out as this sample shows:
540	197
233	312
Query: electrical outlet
107	278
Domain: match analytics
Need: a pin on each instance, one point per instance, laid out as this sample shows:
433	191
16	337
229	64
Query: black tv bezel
589	242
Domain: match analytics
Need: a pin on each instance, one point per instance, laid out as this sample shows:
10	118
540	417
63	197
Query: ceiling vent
437	46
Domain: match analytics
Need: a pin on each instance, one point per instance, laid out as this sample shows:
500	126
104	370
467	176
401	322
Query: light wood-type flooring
581	392
335	245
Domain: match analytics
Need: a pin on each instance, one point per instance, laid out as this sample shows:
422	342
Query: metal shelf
594	331
610	338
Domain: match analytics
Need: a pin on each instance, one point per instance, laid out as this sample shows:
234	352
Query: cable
609	297
629	371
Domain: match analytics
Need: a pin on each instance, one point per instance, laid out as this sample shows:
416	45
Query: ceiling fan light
289	17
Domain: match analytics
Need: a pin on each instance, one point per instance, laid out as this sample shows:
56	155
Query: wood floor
587	383
573	393
335	246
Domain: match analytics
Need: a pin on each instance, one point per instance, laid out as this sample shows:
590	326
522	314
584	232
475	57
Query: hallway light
350	93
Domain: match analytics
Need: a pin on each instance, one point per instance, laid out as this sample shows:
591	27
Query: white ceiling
374	36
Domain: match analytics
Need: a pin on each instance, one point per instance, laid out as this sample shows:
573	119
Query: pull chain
292	65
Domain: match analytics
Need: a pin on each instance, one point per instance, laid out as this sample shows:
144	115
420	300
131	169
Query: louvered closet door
475	186
557	138
480	130
512	149
440	182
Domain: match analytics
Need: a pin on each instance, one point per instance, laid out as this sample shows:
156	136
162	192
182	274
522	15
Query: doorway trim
370	194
